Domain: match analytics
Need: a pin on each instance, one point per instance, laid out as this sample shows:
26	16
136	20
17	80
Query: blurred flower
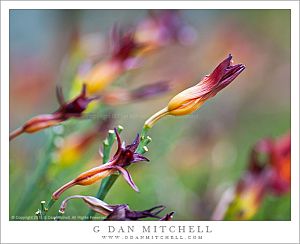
121	96
162	28
77	143
268	172
120	212
280	160
192	98
127	48
67	110
122	158
273	156
122	58
248	197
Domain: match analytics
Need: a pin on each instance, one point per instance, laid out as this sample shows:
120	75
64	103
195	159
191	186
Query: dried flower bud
124	156
94	203
192	98
67	110
120	212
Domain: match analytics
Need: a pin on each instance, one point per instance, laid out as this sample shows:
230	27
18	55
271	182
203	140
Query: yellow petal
186	108
101	76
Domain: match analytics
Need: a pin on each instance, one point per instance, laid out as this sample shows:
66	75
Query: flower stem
155	117
38	175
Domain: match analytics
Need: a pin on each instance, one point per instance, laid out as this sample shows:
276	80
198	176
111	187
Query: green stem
38	175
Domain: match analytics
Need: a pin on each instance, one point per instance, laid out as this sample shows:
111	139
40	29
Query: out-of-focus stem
38	175
15	133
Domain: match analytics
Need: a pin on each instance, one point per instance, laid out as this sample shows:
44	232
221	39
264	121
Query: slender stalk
155	117
36	178
50	204
108	182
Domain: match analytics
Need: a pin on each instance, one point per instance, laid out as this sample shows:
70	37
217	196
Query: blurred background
193	159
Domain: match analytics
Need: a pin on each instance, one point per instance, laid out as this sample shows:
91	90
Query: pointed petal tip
138	158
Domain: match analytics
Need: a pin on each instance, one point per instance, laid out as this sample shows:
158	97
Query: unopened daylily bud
192	98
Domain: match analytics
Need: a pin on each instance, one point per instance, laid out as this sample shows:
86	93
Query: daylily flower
120	212
268	172
280	160
162	28
192	98
124	156
67	110
122	58
277	162
76	144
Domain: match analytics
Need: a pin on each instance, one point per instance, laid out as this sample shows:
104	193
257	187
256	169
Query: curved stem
62	189
155	117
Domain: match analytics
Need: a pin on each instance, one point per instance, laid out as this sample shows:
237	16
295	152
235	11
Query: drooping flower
192	98
67	110
120	212
124	156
